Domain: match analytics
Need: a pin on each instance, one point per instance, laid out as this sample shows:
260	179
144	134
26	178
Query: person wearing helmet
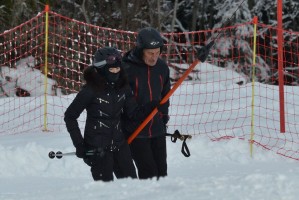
106	96
149	79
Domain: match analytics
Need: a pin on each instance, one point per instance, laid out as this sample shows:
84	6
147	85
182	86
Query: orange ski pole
165	98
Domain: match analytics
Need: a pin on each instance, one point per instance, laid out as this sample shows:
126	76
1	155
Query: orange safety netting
71	45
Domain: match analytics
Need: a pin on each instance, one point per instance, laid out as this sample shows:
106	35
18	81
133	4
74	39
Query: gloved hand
149	107
203	52
152	105
163	108
80	151
156	104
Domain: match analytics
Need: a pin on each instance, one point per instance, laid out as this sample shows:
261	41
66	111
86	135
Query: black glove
155	104
203	52
149	107
80	151
161	108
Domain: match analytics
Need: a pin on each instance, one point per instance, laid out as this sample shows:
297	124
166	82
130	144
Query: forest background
177	16
165	15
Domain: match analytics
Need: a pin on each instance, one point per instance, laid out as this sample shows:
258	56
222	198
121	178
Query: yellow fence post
46	66
252	86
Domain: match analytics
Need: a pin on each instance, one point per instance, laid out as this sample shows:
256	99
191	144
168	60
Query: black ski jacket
149	83
104	108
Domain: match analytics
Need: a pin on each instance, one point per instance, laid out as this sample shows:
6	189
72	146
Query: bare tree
194	15
172	26
84	11
159	14
124	14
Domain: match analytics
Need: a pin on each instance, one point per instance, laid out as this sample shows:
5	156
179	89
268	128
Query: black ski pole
59	154
177	135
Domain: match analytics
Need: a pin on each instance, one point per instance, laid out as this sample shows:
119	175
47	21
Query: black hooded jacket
149	83
105	103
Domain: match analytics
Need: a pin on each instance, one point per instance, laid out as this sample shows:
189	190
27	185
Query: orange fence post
280	65
167	96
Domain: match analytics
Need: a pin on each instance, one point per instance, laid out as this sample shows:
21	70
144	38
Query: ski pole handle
59	154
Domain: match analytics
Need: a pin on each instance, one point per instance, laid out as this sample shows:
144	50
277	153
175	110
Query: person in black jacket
106	97
149	79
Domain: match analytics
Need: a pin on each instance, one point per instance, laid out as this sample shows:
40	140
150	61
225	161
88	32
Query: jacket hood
99	81
91	76
134	56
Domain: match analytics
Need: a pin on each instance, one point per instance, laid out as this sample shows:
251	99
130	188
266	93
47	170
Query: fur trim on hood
97	80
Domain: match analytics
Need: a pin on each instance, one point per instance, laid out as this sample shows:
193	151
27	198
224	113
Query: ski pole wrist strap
185	150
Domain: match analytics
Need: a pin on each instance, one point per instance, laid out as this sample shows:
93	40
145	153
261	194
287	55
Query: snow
26	77
208	73
222	170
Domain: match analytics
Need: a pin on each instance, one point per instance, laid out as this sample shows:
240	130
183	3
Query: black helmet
149	38
107	56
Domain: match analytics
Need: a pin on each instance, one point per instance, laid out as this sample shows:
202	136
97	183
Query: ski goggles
110	60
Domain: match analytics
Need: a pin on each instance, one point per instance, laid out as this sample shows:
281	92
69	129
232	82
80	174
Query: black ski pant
150	155
103	165
123	163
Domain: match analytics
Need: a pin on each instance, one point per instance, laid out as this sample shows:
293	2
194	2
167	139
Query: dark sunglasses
110	60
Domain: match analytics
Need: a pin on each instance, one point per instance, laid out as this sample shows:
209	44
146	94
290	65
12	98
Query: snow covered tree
186	15
266	10
235	43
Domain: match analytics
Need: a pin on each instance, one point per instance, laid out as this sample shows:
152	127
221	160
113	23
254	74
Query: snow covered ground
215	170
222	170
